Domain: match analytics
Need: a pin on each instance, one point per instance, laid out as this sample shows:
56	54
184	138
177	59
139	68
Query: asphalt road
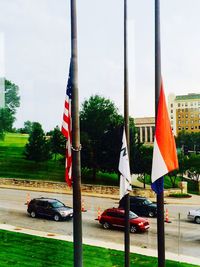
183	240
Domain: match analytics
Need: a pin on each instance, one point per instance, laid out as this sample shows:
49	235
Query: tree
57	142
28	125
37	148
193	166
12	99
99	123
6	121
27	128
12	102
143	160
188	142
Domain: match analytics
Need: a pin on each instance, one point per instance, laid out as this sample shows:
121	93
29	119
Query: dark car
116	217
141	206
50	208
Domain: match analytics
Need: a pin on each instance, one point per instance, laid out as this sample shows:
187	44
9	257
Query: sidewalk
111	245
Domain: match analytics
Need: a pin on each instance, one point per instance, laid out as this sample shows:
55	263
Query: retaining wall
59	187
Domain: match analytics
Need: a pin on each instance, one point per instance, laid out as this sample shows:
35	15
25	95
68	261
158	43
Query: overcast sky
36	37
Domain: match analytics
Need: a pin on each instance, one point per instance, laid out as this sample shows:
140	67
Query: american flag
67	129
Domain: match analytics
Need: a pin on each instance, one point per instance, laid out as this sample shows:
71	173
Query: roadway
183	240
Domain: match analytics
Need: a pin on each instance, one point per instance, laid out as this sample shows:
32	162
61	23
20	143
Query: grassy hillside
14	165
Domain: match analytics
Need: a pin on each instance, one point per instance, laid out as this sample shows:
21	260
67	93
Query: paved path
137	183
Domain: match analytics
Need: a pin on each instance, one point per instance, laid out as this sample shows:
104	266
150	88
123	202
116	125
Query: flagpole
76	164
160	196
126	121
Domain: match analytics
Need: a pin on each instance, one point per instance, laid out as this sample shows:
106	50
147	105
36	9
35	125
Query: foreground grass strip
17	249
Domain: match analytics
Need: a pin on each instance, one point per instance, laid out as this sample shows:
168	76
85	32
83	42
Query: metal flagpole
126	121
160	197
76	163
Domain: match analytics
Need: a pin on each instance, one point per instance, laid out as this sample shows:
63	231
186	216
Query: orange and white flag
164	153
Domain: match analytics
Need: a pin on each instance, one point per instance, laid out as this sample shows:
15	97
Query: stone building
184	113
145	129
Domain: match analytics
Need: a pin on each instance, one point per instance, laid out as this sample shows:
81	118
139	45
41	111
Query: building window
186	121
171	105
192	127
179	115
172	117
192	115
186	128
179	122
179	128
171	110
179	104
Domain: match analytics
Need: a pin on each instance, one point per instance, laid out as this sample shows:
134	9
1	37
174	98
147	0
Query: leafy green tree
12	102
6	121
188	142
57	142
28	125
193	167
27	128
37	148
143	161
12	99
99	121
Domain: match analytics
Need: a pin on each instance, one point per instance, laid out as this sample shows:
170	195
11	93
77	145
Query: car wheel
106	225
197	220
151	214
33	214
56	217
133	229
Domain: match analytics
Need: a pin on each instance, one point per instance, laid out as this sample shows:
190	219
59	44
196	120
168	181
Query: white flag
124	169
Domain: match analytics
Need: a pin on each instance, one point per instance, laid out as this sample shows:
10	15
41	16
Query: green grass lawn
21	250
14	165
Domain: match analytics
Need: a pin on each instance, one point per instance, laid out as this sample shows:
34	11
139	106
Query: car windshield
147	202
132	215
57	204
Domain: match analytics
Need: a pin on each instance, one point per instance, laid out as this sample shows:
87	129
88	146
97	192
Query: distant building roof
188	96
144	120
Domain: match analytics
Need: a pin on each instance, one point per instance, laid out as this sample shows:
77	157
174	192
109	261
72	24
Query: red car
116	217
